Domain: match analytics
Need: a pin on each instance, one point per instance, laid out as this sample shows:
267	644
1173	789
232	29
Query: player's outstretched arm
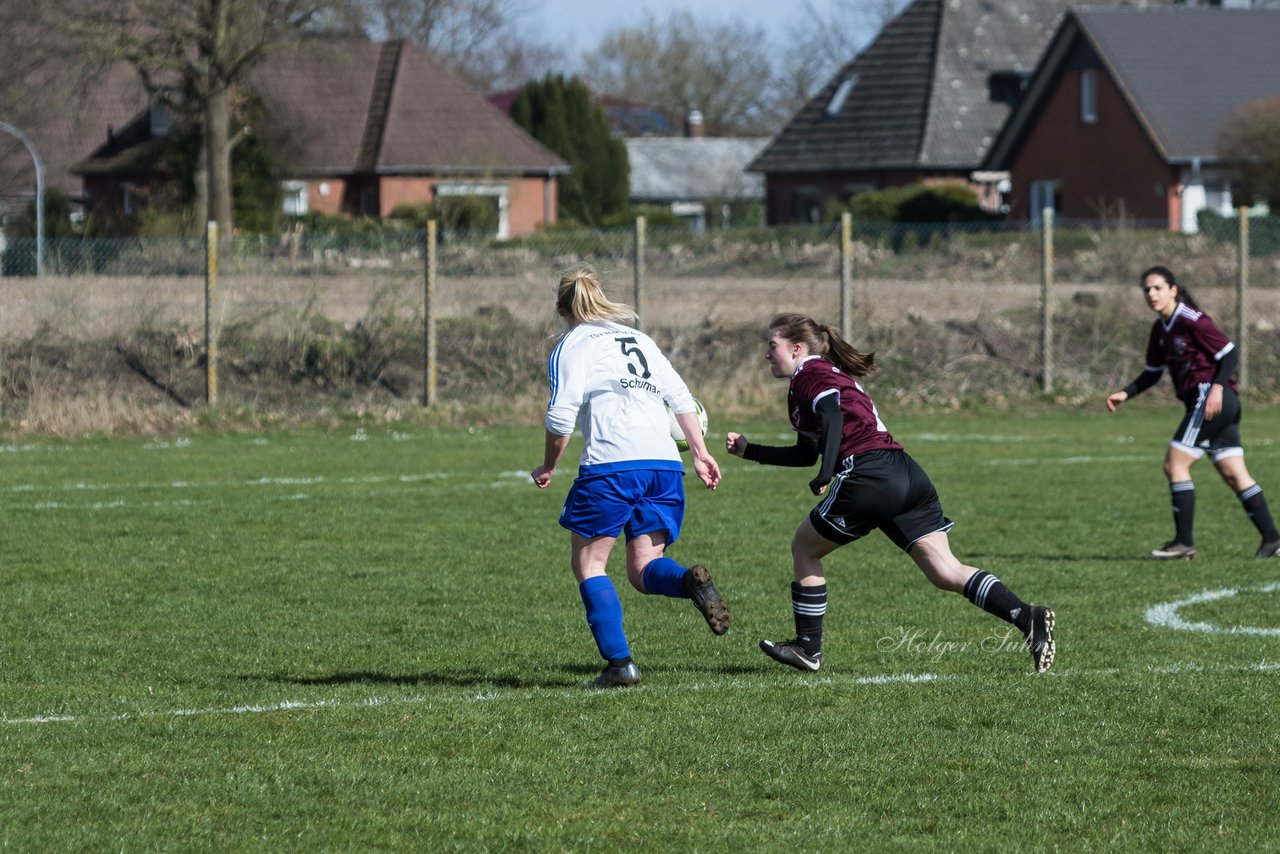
735	443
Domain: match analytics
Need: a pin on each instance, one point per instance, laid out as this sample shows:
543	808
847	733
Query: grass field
367	639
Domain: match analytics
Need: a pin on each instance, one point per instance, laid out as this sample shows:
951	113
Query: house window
498	192
161	117
1088	96
1044	194
295	197
836	104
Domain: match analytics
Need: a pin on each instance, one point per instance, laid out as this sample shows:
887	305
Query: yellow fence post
1046	301
428	316
846	276
1242	289
210	337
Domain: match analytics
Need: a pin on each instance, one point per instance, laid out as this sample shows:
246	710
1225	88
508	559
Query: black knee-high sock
1183	493
810	606
1255	505
989	593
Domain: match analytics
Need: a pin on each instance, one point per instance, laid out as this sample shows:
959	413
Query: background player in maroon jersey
1201	361
869	482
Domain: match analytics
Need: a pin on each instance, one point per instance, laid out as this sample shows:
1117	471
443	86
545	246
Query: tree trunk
201	181
218	158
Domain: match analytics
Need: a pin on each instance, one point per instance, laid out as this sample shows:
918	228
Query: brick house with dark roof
361	127
66	114
1122	114
922	102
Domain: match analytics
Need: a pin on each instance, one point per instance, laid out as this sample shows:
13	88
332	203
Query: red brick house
922	103
1122	113
360	127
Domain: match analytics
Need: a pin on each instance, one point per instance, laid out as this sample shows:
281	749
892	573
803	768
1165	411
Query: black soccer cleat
617	676
792	654
1268	549
699	587
1040	638
1174	550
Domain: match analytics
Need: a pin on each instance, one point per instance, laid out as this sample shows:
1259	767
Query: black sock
989	593
1183	493
809	605
1255	504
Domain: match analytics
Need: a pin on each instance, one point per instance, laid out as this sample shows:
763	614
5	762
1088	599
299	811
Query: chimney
693	125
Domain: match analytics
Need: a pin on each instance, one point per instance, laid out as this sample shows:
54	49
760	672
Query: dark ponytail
823	339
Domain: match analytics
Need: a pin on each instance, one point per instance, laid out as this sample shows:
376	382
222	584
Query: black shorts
1218	437
880	489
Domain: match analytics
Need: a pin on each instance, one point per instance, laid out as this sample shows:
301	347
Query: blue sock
604	616
665	577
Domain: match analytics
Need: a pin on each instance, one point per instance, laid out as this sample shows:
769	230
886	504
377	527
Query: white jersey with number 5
612	381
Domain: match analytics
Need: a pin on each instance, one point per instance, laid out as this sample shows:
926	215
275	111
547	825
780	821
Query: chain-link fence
952	309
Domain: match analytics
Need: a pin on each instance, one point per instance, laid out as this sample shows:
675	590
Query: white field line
1072	461
1166	614
495	694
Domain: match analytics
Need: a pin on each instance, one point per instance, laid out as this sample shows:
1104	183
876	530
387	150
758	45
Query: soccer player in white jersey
1201	361
869	482
614	383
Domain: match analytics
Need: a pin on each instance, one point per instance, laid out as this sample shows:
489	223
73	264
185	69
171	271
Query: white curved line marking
1167	615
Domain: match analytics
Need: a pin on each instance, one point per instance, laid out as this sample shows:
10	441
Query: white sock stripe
809	610
1182	486
1250	492
980	595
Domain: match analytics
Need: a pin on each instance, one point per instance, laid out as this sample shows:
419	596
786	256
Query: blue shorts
641	501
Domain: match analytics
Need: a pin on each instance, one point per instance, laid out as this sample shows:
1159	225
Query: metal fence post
1242	288
638	265
846	275
1046	302
210	338
428	316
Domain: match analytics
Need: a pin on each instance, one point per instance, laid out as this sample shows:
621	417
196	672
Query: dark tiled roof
67	112
331	107
883	116
437	122
1184	69
387	108
921	99
976	39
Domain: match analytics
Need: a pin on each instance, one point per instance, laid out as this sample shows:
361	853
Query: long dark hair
1165	273
823	339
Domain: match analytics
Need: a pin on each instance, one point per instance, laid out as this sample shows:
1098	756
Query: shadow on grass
573	675
979	556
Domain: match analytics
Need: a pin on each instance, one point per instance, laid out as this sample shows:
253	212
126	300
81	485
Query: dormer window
836	104
1007	87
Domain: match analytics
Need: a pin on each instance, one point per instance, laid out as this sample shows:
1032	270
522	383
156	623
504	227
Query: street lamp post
35	158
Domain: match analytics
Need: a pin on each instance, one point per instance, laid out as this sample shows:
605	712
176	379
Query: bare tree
1249	141
191	53
477	38
721	69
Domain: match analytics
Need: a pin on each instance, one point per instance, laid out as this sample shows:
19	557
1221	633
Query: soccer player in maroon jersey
869	482
1201	361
